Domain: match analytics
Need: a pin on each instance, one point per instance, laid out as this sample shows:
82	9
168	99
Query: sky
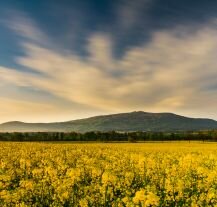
70	59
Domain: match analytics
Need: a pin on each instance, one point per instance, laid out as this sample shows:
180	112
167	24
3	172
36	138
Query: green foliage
111	136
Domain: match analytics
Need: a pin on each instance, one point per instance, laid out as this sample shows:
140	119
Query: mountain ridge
132	121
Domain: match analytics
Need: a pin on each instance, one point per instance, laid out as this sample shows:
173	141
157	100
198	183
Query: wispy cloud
22	25
131	13
175	71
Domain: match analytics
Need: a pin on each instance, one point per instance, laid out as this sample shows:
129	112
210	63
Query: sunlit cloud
175	71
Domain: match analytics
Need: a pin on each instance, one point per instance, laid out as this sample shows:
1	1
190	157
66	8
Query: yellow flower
152	199
139	197
83	203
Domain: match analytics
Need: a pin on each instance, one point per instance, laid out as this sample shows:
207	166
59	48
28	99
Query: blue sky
62	60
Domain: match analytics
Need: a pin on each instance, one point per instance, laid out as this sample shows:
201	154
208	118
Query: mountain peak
132	121
13	122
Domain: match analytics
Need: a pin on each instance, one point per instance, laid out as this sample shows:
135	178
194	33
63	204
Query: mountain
134	121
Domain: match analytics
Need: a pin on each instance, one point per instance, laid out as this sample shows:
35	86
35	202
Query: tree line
111	136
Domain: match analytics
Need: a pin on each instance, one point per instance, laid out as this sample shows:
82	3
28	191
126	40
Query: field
139	174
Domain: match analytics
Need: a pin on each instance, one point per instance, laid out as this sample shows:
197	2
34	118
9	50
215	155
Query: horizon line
109	114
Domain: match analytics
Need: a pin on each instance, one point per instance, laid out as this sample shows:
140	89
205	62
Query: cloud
15	109
23	26
175	71
132	13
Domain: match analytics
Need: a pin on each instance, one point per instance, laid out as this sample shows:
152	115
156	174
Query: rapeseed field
103	174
